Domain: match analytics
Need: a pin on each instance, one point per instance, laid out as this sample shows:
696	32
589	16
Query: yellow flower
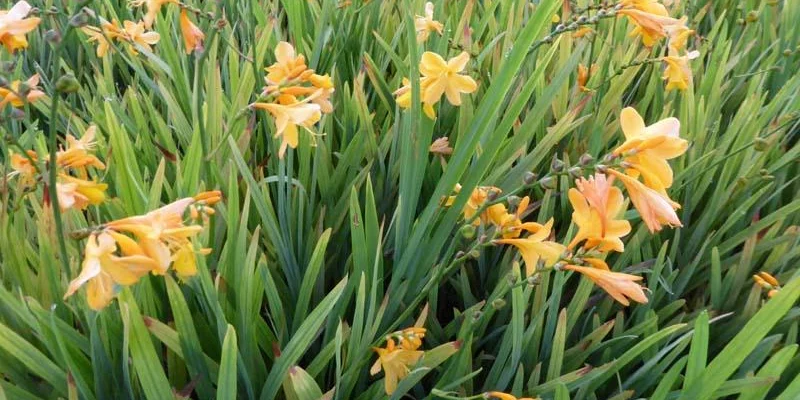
288	117
77	193
107	31
192	35
404	96
153	7
444	78
324	89
78	153
678	74
426	24
618	285
534	248
647	148
511	225
655	208
505	396
596	202
651	27
287	66
102	268
10	95
23	168
678	35
648	6
395	362
14	25
134	32
476	199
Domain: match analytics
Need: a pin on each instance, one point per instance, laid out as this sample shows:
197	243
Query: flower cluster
121	252
399	354
767	282
18	93
652	23
640	164
294	95
139	33
74	188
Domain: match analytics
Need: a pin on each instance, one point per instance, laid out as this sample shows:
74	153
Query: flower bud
474	254
17	114
67	84
534	280
575	172
477	316
548	182
601	168
560	28
585	159
498	304
79	20
557	165
787	52
529	177
52	36
513	200
752	16
459	254
468	231
760	144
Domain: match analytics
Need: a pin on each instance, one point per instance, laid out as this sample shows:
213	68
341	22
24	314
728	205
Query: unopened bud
468	231
547	39
79	20
760	144
557	165
575	172
601	168
560	28
548	182
787	52
513	200
492	195
52	36
474	254
3	82
67	84
512	279
601	12
534	280
477	316
585	159
498	304
459	254
529	177
752	16
17	114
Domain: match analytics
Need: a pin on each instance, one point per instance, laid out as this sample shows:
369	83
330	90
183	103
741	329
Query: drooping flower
14	25
153	7
596	202
78	193
678	35
651	27
11	94
618	285
102	268
78	154
534	248
163	234
395	362
445	78
647	148
288	64
583	76
655	208
677	73
424	25
135	33
288	117
192	35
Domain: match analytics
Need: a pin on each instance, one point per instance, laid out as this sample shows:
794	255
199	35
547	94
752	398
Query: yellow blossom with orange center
596	202
15	24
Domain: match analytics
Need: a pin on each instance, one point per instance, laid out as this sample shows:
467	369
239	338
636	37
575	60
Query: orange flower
134	32
153	7
288	64
596	203
655	208
511	225
534	248
424	25
618	285
14	25
192	35
505	396
79	193
23	168
78	153
102	36
288	117
395	362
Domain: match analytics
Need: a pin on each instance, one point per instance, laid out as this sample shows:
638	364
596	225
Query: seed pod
498	304
468	231
67	84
